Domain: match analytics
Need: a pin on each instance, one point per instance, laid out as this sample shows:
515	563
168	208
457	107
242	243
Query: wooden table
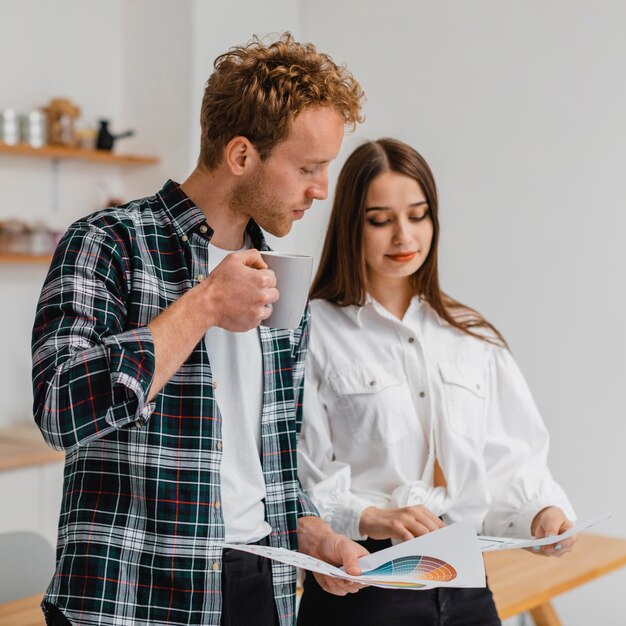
520	581
21	445
24	612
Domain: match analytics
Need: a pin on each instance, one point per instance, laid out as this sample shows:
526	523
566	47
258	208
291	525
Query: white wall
218	26
520	109
157	47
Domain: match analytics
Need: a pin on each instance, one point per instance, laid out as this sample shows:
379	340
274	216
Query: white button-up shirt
385	397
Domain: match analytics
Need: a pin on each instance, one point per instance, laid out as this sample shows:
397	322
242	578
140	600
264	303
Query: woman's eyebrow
386	208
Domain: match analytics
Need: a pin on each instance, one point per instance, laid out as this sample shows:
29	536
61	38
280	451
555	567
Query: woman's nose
400	233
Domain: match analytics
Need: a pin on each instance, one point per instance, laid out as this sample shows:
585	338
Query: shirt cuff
418	493
521	524
131	364
346	516
306	508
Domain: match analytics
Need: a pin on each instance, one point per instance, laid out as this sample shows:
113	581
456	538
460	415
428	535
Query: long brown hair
341	276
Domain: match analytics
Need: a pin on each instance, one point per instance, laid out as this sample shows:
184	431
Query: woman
415	412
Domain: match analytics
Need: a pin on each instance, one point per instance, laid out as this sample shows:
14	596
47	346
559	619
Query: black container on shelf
106	139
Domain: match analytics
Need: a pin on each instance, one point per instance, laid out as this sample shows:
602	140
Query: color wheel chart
424	568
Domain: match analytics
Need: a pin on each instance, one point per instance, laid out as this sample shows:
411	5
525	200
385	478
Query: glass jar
9	127
35	128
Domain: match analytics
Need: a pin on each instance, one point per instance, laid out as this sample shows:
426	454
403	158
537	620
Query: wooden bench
520	581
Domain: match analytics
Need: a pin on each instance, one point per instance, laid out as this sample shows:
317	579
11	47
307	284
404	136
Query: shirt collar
187	218
356	312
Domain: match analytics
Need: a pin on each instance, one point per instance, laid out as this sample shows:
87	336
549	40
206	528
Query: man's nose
318	190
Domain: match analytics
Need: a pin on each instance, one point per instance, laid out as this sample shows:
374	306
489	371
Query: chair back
27	563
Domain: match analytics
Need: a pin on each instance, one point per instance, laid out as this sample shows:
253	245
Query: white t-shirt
237	367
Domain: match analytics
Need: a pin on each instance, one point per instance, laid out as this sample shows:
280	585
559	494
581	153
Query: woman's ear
240	155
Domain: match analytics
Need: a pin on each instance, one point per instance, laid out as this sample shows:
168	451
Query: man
178	415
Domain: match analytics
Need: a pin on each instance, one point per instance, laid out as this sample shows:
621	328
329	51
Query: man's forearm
175	333
311	531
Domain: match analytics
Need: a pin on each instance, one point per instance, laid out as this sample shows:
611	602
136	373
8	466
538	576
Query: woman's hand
405	523
551	521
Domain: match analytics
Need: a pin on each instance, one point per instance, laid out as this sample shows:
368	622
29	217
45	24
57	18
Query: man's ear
240	155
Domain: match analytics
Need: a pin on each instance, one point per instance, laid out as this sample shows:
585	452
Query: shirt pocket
375	402
464	393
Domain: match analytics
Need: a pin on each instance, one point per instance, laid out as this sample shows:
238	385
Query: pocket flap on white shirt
364	379
464	375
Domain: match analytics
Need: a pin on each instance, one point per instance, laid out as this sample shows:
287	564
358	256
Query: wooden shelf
21	445
41	259
58	153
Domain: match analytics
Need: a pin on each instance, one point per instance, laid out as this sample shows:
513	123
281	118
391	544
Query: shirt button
185	238
214	384
203	229
422	394
215	566
372	383
477	386
411	339
137	423
200	278
218	445
217	504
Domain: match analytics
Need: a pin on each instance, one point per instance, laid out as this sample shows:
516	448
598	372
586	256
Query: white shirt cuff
521	524
346	516
418	493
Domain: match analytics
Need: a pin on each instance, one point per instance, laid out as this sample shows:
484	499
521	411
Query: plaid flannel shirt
141	524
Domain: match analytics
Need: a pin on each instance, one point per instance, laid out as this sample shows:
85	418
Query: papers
448	557
492	544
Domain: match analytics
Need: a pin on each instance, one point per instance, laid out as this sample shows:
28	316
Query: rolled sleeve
91	374
306	508
97	390
132	369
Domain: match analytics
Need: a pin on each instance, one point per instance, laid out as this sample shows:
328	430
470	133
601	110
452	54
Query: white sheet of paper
448	557
492	544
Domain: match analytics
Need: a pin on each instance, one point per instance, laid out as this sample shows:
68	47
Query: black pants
247	593
54	617
374	606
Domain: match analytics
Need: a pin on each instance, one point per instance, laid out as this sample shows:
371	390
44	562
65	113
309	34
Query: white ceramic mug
293	280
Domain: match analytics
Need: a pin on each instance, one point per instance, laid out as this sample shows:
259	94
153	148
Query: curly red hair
258	89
